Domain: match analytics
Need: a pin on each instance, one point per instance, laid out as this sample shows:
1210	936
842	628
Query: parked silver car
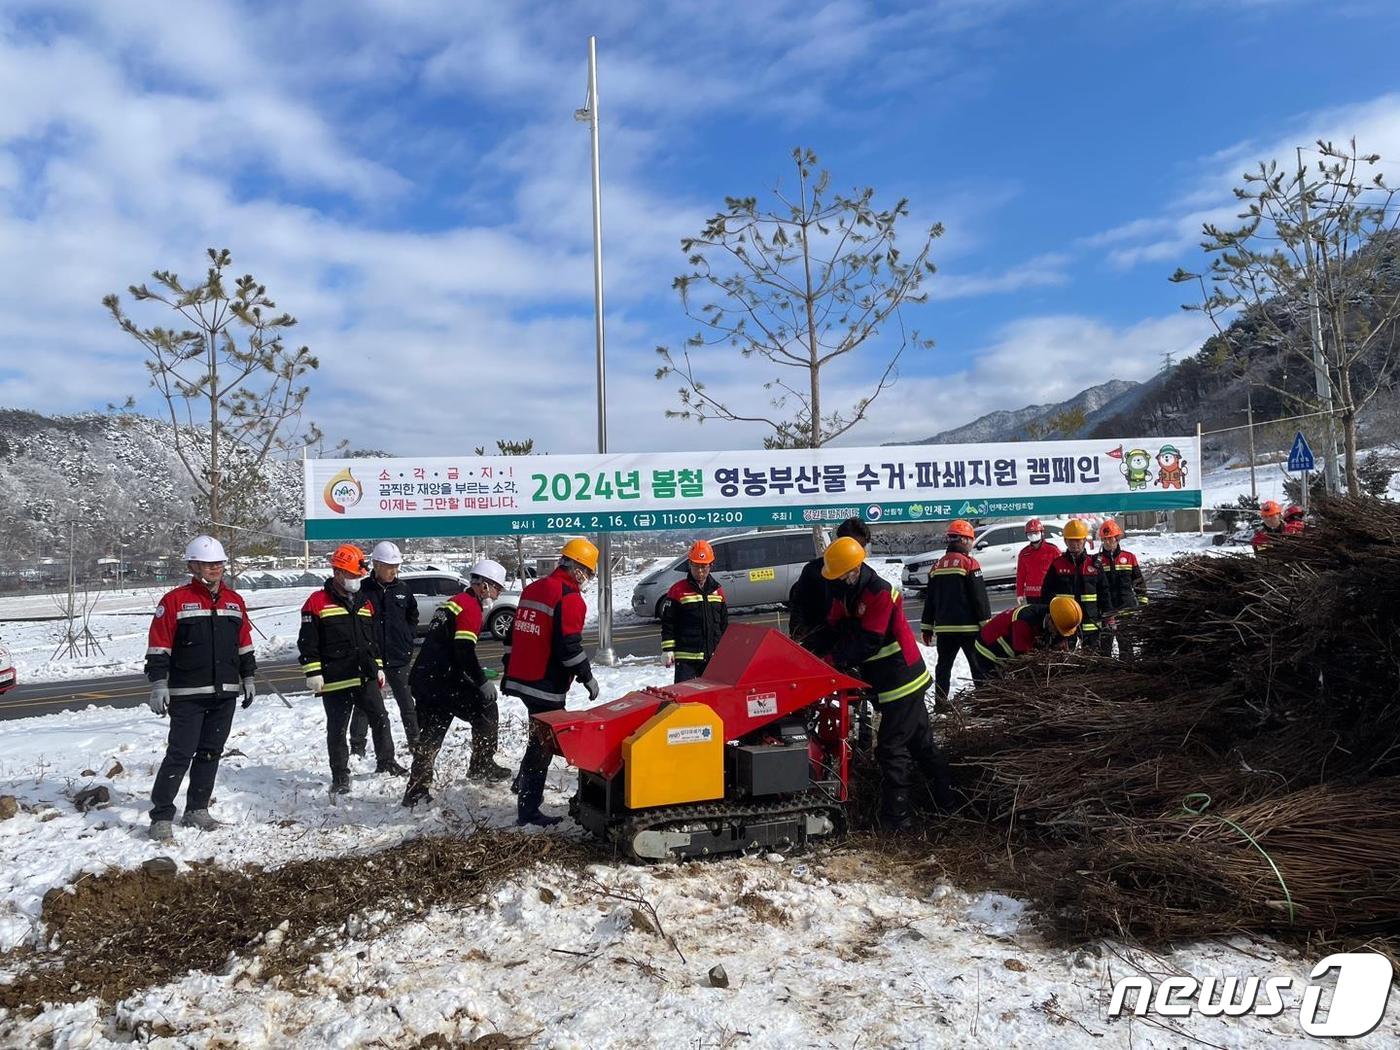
996	549
754	568
430	588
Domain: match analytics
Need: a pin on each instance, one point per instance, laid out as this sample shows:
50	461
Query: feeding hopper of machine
757	675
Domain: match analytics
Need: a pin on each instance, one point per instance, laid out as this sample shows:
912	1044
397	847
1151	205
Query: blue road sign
1300	456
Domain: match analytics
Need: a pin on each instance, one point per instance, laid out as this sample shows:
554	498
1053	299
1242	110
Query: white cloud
1174	235
1044	271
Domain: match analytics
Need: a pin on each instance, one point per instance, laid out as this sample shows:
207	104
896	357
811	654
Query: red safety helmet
1269	508
701	553
1293	513
961	529
1033	526
1110	530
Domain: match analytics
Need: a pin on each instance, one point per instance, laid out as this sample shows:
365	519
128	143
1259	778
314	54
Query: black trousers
688	669
198	731
534	764
339	707
949	645
906	752
397	680
435	719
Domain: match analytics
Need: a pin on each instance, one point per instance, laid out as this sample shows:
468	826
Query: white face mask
1033	537
351	584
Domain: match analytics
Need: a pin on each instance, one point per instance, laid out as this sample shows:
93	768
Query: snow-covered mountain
1096	402
117	476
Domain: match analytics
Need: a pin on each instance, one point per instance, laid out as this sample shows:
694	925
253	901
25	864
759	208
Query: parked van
754	568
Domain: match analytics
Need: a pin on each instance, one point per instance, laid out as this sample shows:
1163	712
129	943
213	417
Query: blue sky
408	179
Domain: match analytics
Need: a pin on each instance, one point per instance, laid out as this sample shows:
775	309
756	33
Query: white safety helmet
490	570
386	553
205	548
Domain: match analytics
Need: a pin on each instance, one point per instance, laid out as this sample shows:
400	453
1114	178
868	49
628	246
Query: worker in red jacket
1293	520
543	658
1016	631
694	616
206	623
1271	526
866	633
1031	563
1127	587
956	605
343	665
1077	573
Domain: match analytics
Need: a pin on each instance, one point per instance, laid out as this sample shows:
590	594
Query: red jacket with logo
956	602
200	643
1011	632
1127	587
1264	535
544	654
868	633
1031	566
1083	580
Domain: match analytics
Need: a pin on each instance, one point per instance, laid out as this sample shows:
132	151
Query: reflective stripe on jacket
1080	578
544	654
868	634
337	639
200	644
956	602
1011	632
448	665
693	618
1127	587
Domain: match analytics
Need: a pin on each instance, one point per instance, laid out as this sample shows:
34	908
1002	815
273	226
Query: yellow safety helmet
1065	613
580	550
841	557
1076	530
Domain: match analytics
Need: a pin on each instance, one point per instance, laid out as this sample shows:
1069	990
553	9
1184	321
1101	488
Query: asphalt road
43	698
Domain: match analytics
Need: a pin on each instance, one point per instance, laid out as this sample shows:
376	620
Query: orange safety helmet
962	529
1110	530
1269	508
701	553
349	558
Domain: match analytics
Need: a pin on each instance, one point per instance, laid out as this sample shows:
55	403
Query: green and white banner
630	491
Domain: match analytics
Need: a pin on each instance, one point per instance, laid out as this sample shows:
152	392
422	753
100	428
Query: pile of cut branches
1240	772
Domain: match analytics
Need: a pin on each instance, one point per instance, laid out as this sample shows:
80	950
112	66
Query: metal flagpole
589	113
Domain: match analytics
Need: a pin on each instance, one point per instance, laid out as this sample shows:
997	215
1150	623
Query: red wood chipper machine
753	755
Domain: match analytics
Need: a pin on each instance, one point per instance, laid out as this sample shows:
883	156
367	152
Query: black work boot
392	768
527	810
340	782
483	765
894	811
417	793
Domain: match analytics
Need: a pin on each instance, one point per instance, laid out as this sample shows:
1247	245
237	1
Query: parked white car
8	679
996	548
754	568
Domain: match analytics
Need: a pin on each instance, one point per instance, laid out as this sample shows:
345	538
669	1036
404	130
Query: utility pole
1249	403
1323	380
305	543
589	114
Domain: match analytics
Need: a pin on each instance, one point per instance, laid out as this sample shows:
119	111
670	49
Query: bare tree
231	367
1317	257
799	284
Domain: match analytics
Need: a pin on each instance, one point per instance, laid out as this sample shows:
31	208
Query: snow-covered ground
819	950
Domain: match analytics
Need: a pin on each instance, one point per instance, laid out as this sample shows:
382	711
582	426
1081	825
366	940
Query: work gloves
315	682
249	692
379	679
927	637
670	659
592	686
488	692
159	702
